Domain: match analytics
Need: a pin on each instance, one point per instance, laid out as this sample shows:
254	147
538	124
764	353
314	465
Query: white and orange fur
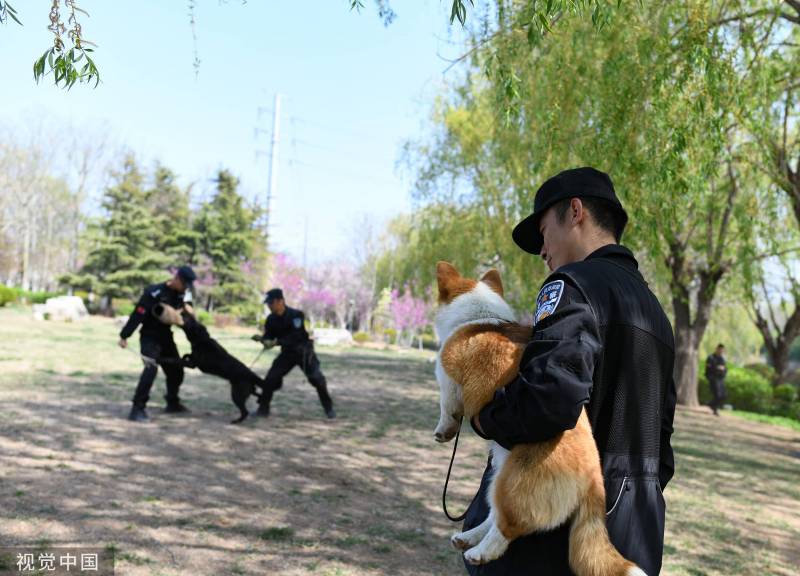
534	487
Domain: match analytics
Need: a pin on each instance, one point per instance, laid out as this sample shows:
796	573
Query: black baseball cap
187	276
274	294
573	183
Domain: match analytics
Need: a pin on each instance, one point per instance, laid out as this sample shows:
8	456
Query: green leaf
12	12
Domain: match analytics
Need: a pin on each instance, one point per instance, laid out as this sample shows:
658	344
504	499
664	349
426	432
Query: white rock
38	311
332	337
62	309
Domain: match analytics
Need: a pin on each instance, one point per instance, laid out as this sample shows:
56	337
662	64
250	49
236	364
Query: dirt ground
297	494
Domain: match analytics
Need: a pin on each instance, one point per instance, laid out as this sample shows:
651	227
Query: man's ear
446	278
577	211
492	279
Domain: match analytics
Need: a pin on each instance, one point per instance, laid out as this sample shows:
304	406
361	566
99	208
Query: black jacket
289	329
602	341
716	369
152	327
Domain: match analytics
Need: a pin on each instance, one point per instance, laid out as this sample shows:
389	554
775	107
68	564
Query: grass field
297	494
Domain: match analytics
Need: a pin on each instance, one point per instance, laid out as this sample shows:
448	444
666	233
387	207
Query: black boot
263	410
175	407
138	414
330	413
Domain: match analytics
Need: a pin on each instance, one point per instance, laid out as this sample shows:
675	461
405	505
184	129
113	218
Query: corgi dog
535	487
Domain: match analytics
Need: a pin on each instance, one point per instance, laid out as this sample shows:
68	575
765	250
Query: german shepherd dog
211	358
535	487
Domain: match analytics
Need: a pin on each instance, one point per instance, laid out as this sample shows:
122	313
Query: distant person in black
286	327
716	370
156	343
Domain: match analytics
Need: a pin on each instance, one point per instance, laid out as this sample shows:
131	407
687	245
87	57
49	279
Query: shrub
429	342
246	313
746	389
31	297
764	370
6	295
785	401
361	337
122	306
390	335
204	316
224	320
785	393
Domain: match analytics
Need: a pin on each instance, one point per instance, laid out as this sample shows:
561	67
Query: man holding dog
594	293
156	343
286	327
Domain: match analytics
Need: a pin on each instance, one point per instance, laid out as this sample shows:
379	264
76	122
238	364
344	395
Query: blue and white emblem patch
297	322
548	299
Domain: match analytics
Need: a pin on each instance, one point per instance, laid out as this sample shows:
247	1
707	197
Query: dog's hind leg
470	538
239	394
493	543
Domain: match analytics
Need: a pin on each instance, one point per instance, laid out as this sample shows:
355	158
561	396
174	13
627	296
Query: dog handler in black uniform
601	341
157	346
286	327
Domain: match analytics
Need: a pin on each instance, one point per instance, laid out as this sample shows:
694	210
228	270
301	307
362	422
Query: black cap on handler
187	276
274	294
573	183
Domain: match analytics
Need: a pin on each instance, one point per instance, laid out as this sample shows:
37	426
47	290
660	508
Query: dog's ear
492	279
446	278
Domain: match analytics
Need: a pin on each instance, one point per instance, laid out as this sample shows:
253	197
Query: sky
352	92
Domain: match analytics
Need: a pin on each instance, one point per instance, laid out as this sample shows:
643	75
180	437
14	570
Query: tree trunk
686	364
26	257
778	338
780	362
689	330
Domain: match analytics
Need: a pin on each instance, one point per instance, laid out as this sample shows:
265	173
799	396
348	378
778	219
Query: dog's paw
240	419
476	557
460	541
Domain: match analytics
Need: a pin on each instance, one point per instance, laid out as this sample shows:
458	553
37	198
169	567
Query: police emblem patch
297	322
548	299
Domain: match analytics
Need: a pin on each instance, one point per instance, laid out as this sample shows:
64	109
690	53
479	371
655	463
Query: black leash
447	481
253	363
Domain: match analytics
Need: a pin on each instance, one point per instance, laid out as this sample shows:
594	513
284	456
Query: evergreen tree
123	256
228	236
169	205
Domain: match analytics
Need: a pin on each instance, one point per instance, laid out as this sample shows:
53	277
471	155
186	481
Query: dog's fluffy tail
591	553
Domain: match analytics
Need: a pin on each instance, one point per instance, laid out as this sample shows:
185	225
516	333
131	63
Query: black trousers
717	392
304	357
159	352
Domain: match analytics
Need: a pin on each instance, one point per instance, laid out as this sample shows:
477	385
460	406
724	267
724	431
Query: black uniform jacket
289	329
601	341
716	369
152	327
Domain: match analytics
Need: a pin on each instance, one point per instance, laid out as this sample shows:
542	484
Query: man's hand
122	343
270	343
257	338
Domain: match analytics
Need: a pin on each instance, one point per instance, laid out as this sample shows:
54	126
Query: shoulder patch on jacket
548	299
297	322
